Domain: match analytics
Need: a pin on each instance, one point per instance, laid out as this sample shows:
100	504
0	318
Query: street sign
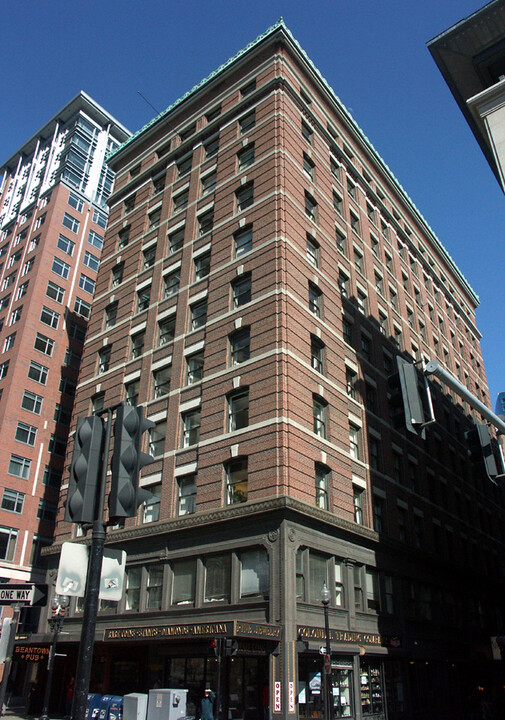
23	594
327	665
30	653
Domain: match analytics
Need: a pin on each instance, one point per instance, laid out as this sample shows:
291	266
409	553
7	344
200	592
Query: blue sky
372	52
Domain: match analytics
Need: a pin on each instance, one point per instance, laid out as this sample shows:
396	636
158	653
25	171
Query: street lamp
59	605
325	599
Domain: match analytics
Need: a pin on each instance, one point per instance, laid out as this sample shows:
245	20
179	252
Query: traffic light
127	460
215	647
480	449
230	647
406	398
85	470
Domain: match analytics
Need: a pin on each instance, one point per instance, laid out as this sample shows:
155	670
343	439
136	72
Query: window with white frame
31	402
161	381
49	317
55	292
60	268
87	284
81	307
236	480
319	413
97	240
354	441
176	240
322	486
241	290
186	494
238	410
151	509
195	367
13	501
26	434
243	241
70	223
358	500
157	436
19	466
91	261
66	245
240	346
191	422
198	313
8	539
172	281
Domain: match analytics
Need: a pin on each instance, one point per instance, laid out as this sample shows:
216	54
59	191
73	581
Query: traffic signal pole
85	659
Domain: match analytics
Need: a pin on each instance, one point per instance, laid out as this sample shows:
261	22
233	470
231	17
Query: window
198	314
246	89
39	542
75	202
310	207
184	582
187	495
322	487
362	302
383	323
307	132
338	203
354	441
372	590
111	315
19	466
152	505
31	402
57	445
81	307
308	167
66	245
132	392
91	261
358	261
254	572
209	183
243	241
245	157
393	298
23	289
47	510
97	402
181	201
26	433
8	538
247	122
4	302
154	585
104	359
16	315
379	283
375	245
317	354
366	347
132	589
38	372
375	457
154	219
315	299
211	148
172	281
129	203
347	331
358	503
206	222
241	290
71	223
236	481
62	415
14	258
238	410
143	299
60	268
49	317
184	165
44	344
123	238
137	344
76	332
312	251
389	261
191	428
157	436
100	218
117	275
195	367
26	268
371	398
55	292
4	369
213	114
176	240
67	386
202	266
161	381
240	346
350	377
166	330
187	132
244	197
217	578
87	284
319	413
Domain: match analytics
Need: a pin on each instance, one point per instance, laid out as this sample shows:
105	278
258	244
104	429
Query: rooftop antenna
158	112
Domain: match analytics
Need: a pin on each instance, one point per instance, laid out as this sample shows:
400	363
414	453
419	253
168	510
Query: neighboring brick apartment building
53	214
262	268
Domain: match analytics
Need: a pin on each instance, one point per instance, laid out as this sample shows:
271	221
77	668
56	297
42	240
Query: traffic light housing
480	449
230	647
85	470
127	460
406	398
215	647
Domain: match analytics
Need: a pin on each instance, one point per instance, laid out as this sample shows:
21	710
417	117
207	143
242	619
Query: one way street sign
23	594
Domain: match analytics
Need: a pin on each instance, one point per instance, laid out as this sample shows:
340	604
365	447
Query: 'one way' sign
25	594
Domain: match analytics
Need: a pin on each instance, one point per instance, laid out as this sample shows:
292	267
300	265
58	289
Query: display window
372	689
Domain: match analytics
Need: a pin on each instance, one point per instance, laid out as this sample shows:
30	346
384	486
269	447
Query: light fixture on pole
59	605
328	700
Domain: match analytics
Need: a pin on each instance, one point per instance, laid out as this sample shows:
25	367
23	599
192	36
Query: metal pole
57	623
85	659
329	688
8	656
220	642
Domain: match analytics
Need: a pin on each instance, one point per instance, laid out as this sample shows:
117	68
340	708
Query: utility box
93	706
167	704
105	707
116	708
135	706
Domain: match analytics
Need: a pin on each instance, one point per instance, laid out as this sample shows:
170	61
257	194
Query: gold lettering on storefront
343	636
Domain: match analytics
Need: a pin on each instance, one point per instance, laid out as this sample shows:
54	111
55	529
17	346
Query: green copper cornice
280	25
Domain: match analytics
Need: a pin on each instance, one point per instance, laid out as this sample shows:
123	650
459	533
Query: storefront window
254	575
372	692
217	578
183	592
342	687
311	688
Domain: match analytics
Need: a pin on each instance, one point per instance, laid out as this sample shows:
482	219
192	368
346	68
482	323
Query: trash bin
167	704
135	706
93	706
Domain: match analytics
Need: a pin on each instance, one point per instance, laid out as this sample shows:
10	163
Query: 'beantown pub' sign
30	653
236	628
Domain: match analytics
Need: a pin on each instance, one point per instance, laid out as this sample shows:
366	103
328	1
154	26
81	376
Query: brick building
53	214
262	269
